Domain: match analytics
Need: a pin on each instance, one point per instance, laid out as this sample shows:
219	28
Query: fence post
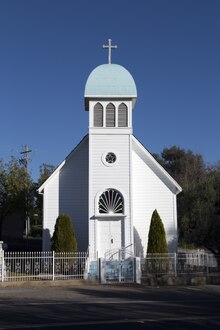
2	265
137	269
120	266
53	263
175	265
2	261
102	270
207	264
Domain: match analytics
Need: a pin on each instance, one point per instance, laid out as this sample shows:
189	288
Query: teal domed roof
110	80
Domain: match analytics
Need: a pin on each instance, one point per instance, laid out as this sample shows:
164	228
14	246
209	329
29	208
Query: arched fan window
98	115
111	202
110	115
122	115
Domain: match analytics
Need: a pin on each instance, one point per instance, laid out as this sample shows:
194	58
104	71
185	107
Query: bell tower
110	95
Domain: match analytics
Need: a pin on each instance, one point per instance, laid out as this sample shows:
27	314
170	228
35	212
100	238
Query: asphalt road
109	307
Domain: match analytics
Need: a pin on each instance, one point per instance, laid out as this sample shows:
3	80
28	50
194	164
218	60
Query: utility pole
25	162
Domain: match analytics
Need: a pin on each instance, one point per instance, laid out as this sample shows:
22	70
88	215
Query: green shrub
157	237
35	231
157	258
63	239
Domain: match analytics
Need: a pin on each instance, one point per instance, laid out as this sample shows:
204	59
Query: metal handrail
117	251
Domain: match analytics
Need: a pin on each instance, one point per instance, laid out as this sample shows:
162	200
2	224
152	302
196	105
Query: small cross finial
110	47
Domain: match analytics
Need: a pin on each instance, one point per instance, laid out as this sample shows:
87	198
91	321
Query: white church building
110	184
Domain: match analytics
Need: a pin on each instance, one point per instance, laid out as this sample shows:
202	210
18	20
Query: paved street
109	307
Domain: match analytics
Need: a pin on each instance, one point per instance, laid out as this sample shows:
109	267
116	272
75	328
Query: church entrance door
110	235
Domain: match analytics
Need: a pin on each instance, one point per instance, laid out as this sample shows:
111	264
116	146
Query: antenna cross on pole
110	47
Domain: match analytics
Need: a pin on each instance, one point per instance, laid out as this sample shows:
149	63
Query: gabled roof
147	157
41	188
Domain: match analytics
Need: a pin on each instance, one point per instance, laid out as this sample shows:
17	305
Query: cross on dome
110	47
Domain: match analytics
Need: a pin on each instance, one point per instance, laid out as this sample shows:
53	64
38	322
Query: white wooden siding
150	193
50	210
103	177
155	166
67	193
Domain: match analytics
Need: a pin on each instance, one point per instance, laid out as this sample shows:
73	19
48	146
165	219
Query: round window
110	158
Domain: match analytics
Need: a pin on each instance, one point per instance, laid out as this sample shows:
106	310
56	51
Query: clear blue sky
49	47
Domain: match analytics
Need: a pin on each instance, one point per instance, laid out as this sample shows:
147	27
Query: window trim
104	160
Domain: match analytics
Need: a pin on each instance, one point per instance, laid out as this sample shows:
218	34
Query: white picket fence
32	266
24	266
177	264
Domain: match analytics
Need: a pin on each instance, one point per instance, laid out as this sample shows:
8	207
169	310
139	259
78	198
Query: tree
187	168
156	237
13	185
63	239
212	228
18	193
45	171
199	203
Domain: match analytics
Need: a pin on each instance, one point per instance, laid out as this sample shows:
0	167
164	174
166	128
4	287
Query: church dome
110	80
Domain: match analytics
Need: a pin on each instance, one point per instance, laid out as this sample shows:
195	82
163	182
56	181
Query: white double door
110	235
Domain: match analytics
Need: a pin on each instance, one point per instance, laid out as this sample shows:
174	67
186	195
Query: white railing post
2	261
102	270
120	267
175	265
53	261
137	269
3	265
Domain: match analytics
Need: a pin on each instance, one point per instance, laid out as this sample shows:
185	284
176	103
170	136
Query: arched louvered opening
122	115
111	202
110	115
98	115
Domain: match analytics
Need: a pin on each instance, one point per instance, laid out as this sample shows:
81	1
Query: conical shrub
157	237
157	258
63	239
